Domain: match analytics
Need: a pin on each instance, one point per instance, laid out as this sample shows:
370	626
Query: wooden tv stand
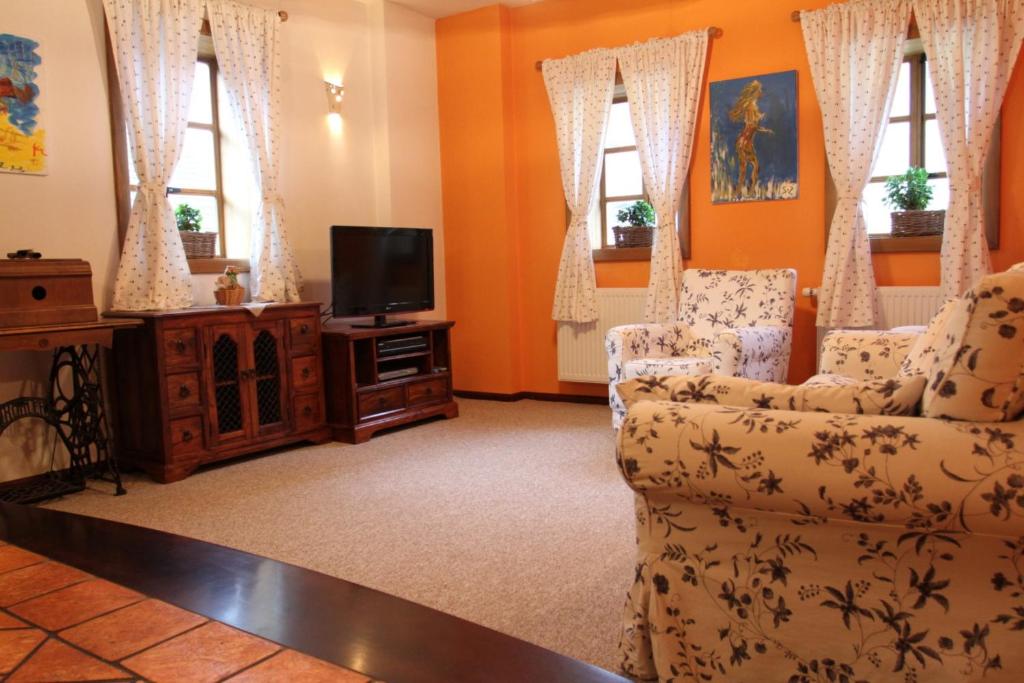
360	402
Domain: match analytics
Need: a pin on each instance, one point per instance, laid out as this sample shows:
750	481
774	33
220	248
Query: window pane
622	174
940	194
207	208
929	92
894	156
901	98
611	211
876	214
197	168
620	128
934	155
200	108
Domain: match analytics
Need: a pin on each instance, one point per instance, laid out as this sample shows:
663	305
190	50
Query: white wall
379	167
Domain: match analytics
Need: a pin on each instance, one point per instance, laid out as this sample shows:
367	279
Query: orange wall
504	210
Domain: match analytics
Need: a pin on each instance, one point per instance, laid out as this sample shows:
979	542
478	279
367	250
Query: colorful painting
754	139
22	137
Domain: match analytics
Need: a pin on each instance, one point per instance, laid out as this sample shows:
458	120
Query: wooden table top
47	337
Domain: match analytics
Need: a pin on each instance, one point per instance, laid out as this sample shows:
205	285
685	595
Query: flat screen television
375	271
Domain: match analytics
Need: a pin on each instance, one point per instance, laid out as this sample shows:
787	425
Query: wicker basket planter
917	223
627	236
229	297
198	244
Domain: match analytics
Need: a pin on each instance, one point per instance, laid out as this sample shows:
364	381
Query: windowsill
625	254
883	244
216	266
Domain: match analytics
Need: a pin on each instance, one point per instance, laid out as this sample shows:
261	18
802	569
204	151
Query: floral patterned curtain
247	46
855	50
580	89
972	46
663	80
155	44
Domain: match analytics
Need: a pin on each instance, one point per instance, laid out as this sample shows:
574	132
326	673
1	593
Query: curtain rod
713	32
795	16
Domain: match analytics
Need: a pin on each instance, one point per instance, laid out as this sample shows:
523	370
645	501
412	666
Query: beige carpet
513	516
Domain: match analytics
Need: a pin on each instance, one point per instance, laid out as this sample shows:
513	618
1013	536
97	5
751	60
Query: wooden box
45	292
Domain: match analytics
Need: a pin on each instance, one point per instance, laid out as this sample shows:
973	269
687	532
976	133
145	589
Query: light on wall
335	95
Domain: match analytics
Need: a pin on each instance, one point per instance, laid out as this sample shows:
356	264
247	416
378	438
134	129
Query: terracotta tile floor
59	624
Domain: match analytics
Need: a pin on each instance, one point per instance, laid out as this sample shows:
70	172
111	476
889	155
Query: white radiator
581	354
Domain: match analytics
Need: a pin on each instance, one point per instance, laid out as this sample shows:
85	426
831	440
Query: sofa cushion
977	373
924	353
899	396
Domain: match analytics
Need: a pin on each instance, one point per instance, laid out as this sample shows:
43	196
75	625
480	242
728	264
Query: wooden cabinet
204	384
367	390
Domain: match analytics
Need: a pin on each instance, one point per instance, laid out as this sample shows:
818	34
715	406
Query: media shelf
378	378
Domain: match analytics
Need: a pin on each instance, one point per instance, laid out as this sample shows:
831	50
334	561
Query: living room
517	515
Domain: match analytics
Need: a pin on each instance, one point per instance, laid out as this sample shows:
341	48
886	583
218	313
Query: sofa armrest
629	342
931	476
865	354
754	352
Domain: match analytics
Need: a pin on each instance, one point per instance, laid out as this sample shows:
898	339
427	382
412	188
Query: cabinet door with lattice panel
268	390
227	389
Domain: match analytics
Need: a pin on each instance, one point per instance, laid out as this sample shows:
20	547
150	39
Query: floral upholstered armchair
838	530
731	322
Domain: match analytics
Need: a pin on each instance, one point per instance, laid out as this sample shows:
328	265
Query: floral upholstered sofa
731	322
841	530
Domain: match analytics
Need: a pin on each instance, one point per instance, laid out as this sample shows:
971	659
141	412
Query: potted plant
640	229
229	292
198	244
910	194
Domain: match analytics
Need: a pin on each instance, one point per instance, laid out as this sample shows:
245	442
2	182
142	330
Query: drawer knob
305	373
44	342
429	391
304	328
179	345
381	401
186	436
307	411
184	391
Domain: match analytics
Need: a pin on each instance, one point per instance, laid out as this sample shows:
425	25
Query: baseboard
533	396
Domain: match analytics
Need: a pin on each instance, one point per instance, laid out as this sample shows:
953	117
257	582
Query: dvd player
394	346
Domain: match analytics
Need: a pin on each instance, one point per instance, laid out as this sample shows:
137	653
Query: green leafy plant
909	191
189	219
639	214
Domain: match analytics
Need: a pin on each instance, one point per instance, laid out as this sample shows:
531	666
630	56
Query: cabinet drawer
186	435
180	349
305	372
381	401
305	335
183	391
308	412
427	392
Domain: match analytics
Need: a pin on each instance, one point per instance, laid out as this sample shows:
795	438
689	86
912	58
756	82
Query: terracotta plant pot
229	297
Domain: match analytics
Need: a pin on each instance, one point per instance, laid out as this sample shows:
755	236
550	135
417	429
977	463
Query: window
197	178
911	138
622	183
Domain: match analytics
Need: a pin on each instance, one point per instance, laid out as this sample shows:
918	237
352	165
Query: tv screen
381	270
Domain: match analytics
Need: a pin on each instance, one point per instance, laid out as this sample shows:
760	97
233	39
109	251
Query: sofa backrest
721	299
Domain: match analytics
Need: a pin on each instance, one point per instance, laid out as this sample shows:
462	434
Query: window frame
608	252
122	185
918	118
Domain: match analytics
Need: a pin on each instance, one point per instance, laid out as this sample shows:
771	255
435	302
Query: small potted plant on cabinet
229	291
640	229
198	244
910	194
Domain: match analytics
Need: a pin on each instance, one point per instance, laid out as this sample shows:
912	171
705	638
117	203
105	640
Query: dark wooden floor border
338	621
533	396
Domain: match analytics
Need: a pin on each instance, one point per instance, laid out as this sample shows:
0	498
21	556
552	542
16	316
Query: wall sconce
335	95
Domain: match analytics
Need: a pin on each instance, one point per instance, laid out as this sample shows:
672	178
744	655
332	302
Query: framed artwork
754	139
22	136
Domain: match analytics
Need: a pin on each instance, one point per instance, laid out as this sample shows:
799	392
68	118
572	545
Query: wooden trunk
360	402
200	385
45	292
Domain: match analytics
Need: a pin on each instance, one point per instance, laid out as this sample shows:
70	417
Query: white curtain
580	89
155	44
663	80
855	50
972	46
248	55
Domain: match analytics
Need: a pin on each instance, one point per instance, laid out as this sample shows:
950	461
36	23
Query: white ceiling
444	8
